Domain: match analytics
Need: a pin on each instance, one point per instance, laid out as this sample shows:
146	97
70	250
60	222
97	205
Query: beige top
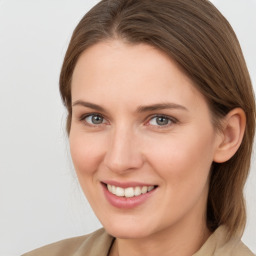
99	244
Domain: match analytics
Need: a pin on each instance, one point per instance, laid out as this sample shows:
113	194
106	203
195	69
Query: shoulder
94	244
242	250
219	245
236	249
232	247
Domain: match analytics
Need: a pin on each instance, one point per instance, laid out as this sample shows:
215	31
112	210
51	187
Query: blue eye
94	119
160	121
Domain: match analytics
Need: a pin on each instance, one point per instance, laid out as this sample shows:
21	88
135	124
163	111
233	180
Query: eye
161	121
94	119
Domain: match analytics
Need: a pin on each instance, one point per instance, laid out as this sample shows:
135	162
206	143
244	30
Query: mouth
129	192
127	195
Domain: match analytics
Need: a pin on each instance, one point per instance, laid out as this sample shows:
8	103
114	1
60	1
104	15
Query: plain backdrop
40	199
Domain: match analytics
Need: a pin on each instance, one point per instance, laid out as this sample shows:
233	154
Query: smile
130	191
128	195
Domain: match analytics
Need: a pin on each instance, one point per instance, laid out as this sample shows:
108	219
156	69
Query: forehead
111	54
115	52
126	73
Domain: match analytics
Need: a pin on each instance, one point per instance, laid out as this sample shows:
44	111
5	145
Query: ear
233	127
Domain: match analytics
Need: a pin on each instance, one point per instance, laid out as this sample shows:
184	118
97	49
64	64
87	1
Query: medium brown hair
201	41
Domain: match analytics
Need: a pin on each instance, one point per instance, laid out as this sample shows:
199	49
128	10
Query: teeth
144	190
129	192
119	191
150	188
113	189
137	191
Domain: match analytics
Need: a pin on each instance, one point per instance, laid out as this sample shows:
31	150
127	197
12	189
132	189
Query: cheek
185	169
86	152
184	160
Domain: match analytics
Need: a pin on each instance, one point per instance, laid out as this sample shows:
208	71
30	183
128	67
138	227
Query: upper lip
126	184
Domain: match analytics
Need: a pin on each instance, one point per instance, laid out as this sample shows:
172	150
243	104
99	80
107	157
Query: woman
161	120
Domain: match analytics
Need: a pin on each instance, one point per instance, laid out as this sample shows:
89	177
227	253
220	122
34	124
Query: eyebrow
160	106
88	105
140	109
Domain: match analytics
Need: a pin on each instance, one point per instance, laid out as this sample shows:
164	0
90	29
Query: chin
127	231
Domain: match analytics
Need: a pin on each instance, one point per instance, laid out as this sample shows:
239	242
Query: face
141	140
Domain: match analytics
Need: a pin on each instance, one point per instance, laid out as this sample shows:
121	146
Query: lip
123	202
126	184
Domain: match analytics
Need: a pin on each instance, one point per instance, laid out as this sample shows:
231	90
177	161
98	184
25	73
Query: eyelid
84	116
172	119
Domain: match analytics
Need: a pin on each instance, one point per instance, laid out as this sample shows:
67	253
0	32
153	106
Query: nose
123	152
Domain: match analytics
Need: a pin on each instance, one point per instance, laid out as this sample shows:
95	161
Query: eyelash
171	120
83	119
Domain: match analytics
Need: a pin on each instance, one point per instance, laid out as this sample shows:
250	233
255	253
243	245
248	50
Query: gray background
40	200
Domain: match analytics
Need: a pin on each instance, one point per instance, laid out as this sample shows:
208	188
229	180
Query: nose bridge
123	152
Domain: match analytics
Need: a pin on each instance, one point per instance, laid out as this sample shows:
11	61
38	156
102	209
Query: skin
129	145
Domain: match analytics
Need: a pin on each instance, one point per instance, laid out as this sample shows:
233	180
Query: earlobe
232	135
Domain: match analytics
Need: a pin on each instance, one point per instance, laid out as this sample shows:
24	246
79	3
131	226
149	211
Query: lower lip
126	202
